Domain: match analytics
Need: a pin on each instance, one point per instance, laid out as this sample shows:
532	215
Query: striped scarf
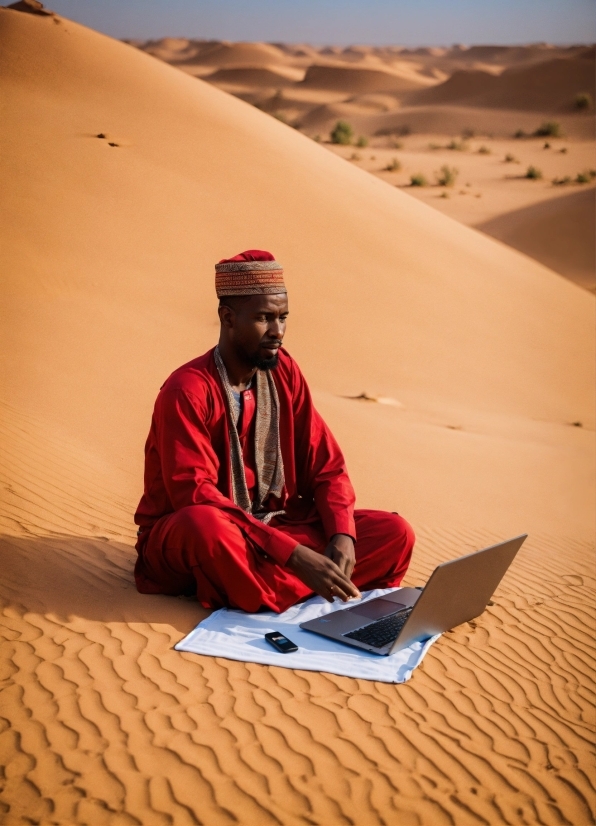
268	458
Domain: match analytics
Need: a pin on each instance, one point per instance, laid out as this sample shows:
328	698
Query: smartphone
281	643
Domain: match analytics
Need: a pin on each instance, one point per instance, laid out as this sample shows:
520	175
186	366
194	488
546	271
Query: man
247	500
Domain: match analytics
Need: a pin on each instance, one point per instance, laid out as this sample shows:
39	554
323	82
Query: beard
264	364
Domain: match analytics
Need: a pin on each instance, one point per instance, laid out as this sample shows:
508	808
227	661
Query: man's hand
321	574
341	550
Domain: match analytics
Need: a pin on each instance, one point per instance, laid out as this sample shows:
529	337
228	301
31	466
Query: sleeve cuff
340	523
279	546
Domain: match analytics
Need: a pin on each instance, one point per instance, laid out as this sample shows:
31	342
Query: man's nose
276	329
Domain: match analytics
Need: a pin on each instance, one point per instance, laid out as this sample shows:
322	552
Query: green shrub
533	173
447	176
458	146
418	180
509	158
549	129
362	141
393	166
584	177
583	101
342	133
484	150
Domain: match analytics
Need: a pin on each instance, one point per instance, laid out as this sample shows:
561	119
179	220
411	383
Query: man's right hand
321	574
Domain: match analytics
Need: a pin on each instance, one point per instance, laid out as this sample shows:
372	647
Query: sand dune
549	86
108	247
560	233
444	120
242	54
355	80
253	77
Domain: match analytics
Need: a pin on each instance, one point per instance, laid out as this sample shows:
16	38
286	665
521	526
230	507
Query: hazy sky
375	22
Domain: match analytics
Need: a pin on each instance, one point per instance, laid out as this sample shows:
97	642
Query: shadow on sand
92	578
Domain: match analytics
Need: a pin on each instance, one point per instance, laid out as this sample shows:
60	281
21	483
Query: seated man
247	500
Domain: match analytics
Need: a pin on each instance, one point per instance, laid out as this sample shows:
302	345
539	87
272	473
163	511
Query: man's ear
226	315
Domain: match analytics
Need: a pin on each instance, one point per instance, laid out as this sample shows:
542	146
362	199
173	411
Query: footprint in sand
104	137
573	579
366	397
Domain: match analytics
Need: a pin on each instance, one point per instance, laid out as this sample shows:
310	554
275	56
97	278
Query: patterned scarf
268	459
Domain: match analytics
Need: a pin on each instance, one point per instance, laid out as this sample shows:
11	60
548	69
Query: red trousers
199	550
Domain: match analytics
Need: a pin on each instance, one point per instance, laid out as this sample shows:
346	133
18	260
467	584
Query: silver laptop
457	592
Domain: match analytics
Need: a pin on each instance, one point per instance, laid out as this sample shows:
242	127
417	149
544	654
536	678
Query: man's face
256	327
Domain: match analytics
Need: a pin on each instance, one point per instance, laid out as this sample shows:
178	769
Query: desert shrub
433	146
447	176
520	134
546	145
418	180
355	156
467	134
561	181
444	195
404	131
586	176
457	146
342	133
362	141
280	116
549	129
509	158
563	151
393	166
396	145
484	150
583	101
317	138
533	173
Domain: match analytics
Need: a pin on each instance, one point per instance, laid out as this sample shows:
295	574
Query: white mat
239	636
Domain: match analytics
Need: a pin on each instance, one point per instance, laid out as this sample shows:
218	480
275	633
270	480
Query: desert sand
124	180
440	98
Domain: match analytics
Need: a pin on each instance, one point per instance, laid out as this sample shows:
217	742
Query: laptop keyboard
378	634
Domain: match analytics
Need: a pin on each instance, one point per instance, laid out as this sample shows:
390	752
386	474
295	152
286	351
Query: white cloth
236	635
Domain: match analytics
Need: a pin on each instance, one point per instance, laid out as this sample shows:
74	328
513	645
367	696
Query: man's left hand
341	551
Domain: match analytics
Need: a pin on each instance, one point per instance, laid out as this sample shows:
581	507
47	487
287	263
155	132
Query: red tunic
193	538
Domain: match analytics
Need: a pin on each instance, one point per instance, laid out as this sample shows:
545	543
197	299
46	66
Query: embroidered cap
253	272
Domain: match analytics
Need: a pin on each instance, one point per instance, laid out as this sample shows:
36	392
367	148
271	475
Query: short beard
264	364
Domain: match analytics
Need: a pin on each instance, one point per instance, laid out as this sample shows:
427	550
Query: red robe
194	539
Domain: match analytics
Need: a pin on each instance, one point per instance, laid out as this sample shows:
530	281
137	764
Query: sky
342	22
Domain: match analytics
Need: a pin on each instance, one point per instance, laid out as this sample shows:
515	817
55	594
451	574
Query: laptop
456	592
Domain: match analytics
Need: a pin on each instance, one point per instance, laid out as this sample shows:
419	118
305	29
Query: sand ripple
102	722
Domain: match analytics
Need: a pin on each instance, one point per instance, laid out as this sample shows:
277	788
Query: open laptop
457	591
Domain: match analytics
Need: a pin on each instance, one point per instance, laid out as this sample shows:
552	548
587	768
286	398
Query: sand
560	233
437	96
108	247
550	219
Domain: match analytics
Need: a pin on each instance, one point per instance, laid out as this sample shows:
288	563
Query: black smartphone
281	643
